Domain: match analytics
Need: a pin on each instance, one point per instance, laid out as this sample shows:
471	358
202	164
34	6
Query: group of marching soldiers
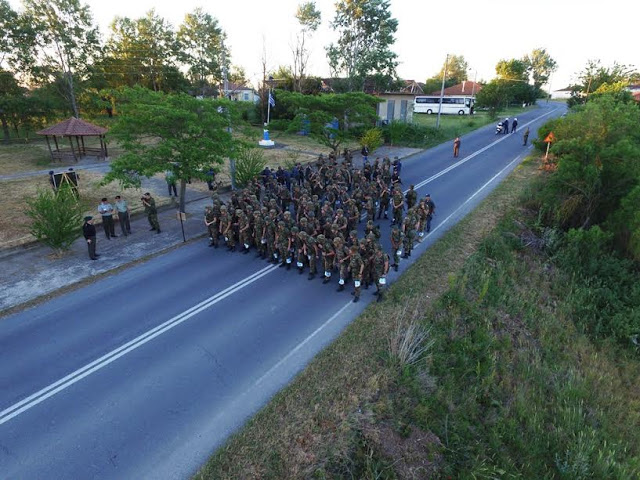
312	216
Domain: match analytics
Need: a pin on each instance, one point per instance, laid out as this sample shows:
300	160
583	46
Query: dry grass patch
14	224
310	427
25	158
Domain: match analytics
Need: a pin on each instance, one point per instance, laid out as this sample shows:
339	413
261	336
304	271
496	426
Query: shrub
411	135
372	138
249	163
56	216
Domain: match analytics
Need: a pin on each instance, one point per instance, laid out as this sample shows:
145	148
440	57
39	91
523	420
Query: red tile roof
464	88
74	127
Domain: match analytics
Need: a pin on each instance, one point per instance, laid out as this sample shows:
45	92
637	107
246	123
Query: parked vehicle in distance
451	105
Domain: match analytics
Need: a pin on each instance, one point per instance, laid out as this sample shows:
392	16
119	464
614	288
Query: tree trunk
72	95
183	194
6	135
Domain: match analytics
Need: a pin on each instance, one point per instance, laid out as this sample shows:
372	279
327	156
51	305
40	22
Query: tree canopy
366	34
170	132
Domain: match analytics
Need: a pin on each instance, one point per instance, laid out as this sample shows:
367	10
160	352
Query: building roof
236	87
73	127
465	88
411	86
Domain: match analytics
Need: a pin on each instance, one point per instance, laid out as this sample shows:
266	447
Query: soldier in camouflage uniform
397	203
271	225
409	227
396	245
380	271
151	211
301	255
311	251
371	228
209	221
356	267
385	199
244	234
342	261
282	242
411	197
258	234
225	227
328	257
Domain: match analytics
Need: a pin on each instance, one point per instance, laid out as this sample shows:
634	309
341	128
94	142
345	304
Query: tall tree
457	70
513	69
201	42
366	35
595	76
309	20
176	132
65	42
540	65
143	51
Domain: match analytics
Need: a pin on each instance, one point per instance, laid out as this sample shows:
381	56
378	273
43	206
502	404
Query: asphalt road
144	373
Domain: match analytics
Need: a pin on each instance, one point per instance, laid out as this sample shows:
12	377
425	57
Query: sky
483	31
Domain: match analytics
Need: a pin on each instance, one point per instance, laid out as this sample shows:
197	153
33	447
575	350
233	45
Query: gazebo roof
74	127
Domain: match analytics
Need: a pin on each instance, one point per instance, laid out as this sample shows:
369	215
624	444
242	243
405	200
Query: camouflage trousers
153	220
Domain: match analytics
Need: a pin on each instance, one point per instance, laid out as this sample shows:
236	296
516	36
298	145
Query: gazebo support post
49	146
73	152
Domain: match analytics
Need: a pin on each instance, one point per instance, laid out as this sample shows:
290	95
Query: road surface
144	373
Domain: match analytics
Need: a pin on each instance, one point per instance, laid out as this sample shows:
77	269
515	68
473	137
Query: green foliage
250	162
64	41
606	291
200	47
499	93
56	217
161	132
372	138
595	76
540	66
366	34
411	135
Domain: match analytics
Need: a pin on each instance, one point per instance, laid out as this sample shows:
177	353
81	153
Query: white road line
302	344
474	154
65	382
137	342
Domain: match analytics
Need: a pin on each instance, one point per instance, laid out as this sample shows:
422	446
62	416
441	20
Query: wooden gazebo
78	129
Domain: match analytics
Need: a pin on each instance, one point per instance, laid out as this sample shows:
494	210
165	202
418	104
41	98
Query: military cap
87	218
320	237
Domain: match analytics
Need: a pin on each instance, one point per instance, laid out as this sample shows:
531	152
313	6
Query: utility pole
444	76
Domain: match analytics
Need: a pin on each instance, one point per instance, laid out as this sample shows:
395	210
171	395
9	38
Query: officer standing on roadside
89	232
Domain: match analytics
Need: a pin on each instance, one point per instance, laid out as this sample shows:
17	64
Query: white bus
455	105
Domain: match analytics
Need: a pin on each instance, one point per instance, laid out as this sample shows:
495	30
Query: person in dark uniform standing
505	126
431	210
89	232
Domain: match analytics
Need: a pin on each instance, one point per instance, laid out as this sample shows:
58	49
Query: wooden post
55	139
49	146
546	155
73	152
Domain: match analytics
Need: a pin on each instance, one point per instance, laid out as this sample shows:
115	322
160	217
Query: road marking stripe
65	382
137	342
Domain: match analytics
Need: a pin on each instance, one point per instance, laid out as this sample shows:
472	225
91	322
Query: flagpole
269	105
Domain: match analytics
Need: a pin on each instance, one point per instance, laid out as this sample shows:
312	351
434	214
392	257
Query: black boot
356	299
300	270
340	288
395	267
282	265
326	280
288	266
311	276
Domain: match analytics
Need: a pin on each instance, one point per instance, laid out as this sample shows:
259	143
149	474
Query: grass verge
358	422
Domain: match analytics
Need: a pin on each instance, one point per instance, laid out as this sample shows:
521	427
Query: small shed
78	129
397	106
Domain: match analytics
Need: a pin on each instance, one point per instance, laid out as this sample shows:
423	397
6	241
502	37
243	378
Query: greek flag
272	101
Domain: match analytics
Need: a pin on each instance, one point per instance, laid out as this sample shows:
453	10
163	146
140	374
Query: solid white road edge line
137	342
